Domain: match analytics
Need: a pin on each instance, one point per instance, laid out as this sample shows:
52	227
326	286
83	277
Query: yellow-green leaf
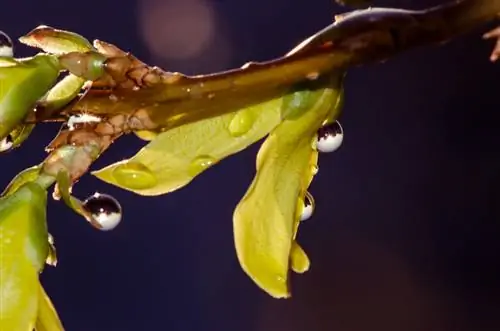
48	319
264	219
55	41
23	84
63	92
24	248
175	157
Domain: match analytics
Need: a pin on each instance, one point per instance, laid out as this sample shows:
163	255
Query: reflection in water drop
105	209
314	169
308	206
200	164
330	137
241	123
135	176
6	143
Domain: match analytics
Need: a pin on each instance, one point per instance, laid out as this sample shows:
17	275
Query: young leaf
47	319
21	86
24	247
178	155
264	219
55	41
25	176
64	186
62	93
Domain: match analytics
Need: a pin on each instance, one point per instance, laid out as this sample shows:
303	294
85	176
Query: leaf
59	42
63	92
64	186
20	133
25	176
55	41
177	156
21	86
264	218
48	319
24	247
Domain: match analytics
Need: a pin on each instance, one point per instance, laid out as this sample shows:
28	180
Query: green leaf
20	133
264	220
62	93
177	156
64	186
47	319
21	86
56	41
24	247
25	176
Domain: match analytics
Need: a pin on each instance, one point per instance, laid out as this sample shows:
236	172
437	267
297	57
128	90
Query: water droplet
6	143
146	134
314	169
241	123
105	209
330	137
6	46
307	207
135	176
200	164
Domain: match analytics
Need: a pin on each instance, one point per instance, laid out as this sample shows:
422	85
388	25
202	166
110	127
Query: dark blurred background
406	231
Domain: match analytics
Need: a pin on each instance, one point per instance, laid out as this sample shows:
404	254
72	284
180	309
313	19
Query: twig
139	97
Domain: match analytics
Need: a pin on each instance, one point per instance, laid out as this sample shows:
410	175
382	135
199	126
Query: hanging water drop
135	176
307	207
330	137
6	46
200	164
6	143
241	123
105	209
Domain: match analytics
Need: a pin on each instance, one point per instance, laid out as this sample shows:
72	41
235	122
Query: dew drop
6	46
105	209
330	137
6	143
241	123
146	134
135	176
307	207
314	169
200	164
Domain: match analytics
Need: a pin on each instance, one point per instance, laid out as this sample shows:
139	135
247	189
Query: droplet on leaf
6	46
135	175
314	169
307	207
199	164
6	143
105	209
241	123
146	134
330	137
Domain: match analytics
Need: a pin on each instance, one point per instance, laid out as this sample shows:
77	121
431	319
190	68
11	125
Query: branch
134	96
357	38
